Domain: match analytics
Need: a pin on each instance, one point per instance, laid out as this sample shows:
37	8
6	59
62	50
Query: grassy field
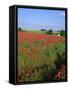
40	57
38	31
42	32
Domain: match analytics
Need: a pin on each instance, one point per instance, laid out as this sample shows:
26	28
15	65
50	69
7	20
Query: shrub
43	29
20	29
50	32
62	33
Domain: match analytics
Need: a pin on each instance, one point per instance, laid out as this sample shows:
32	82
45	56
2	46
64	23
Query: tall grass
40	65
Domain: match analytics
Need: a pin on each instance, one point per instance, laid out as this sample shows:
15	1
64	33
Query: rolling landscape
41	49
40	57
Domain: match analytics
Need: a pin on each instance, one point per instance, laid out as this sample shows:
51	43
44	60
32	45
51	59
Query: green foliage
20	29
50	32
42	65
38	31
43	29
33	44
62	33
60	60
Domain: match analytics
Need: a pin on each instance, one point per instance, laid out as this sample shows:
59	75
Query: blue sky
36	19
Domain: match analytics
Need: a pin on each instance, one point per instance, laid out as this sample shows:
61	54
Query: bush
20	29
43	29
50	32
62	33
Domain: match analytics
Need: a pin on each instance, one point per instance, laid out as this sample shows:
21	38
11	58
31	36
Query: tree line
49	32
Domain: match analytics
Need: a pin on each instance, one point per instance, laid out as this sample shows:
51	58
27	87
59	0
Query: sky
37	19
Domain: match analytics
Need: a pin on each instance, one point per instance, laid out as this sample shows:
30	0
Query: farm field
42	32
41	57
37	31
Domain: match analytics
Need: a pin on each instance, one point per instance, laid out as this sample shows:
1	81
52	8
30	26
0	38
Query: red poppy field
41	57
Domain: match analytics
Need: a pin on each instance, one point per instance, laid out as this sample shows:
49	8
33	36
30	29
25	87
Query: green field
42	32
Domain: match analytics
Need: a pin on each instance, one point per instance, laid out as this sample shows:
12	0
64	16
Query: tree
43	29
62	32
50	32
20	29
